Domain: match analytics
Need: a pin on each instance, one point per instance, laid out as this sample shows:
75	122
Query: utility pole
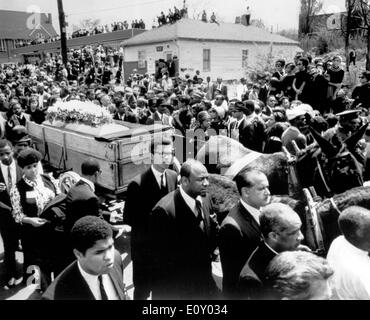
63	34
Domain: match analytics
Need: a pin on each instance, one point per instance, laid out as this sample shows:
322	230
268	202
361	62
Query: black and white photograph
184	150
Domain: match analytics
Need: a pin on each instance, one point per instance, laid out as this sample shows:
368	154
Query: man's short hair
90	166
271	217
159	142
187	167
87	231
291	273
242	179
281	62
4	143
354	222
304	61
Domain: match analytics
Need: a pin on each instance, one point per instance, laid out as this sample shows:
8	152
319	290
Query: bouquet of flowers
74	111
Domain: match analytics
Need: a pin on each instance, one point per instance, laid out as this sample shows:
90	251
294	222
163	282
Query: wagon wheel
67	180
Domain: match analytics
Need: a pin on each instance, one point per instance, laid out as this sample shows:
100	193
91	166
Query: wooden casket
122	152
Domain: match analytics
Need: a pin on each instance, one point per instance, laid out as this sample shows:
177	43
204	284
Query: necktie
200	219
10	181
163	185
104	295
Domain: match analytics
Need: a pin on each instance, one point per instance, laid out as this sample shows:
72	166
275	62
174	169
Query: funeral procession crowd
177	236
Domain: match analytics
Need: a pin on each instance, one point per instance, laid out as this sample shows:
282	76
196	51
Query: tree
289	33
309	8
259	23
363	10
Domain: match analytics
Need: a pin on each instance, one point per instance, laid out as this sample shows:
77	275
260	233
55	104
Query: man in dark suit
264	89
81	199
248	129
159	116
183	239
221	87
10	174
124	113
97	274
143	193
240	232
281	230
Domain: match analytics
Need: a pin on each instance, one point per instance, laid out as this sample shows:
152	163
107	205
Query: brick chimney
50	20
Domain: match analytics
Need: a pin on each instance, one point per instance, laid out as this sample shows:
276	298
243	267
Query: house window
244	58
2	46
206	59
141	59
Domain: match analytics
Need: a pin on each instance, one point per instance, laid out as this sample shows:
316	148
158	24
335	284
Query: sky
279	14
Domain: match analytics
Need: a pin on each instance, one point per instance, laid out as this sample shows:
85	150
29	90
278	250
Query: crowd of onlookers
268	113
172	16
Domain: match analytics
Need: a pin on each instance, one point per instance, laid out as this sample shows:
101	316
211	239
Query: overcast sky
281	14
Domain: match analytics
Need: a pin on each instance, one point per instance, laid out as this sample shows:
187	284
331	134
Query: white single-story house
217	50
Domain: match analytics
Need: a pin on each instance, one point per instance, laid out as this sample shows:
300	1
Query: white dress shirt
191	201
13	172
158	176
93	283
351	265
253	211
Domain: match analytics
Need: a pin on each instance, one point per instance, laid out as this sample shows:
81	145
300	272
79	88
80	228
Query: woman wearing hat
29	197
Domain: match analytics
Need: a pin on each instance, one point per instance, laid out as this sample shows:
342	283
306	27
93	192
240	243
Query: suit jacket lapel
2	180
170	185
118	285
152	181
206	212
81	285
19	173
249	217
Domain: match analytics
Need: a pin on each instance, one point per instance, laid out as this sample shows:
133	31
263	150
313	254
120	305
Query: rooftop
18	25
199	30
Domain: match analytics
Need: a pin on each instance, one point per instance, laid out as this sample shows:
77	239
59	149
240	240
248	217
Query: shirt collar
90	278
253	211
12	165
355	249
251	116
159	115
90	183
157	174
189	200
270	248
31	183
241	120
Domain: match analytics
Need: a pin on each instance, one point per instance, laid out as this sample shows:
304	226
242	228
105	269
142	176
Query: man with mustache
281	229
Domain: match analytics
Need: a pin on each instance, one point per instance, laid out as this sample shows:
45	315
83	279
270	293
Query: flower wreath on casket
81	112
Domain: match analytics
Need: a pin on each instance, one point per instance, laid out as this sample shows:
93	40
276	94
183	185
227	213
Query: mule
229	157
330	169
225	196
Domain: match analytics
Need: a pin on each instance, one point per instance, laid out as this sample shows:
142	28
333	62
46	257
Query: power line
111	9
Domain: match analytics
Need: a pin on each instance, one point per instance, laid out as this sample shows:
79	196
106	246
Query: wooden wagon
122	154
